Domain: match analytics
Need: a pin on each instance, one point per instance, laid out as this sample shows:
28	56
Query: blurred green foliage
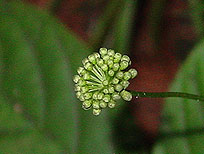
38	109
183	118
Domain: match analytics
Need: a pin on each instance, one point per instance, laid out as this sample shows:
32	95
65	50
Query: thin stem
166	94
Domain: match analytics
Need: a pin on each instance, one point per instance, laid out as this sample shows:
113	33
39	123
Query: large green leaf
183	118
38	56
123	27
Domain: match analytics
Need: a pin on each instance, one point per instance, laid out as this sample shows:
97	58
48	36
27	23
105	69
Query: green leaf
123	26
38	56
183	117
105	23
18	136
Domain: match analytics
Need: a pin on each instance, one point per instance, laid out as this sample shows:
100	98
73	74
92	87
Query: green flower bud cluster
102	80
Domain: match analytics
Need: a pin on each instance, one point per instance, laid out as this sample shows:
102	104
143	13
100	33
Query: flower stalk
166	94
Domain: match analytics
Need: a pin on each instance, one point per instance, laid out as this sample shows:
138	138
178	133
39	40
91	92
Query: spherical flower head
102	80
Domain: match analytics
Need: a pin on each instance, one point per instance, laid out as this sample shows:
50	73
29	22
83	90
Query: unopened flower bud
125	84
96	105
100	62
115	81
133	72
115	96
76	78
125	58
116	66
127	96
86	105
88	66
96	112
110	63
111	89
92	59
127	76
103	51
103	104
123	65
117	57
119	75
106	98
87	95
84	61
111	72
104	67
111	52
111	104
100	96
95	95
118	87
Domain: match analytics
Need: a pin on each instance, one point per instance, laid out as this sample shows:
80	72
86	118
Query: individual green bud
125	84
77	88
96	55
76	78
86	76
116	66
104	67
118	87
96	112
106	98
130	62
95	95
117	57
111	89
111	72
119	75
100	62
123	65
103	51
111	53
115	96
100	96
110	63
86	105
88	66
82	83
133	72
92	59
84	89
127	96
84	61
106	58
115	81
81	98
87	95
127	76
125	58
105	91
105	82
81	71
78	94
103	104
111	104
96	105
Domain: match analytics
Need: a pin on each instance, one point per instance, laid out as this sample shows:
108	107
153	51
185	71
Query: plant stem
166	94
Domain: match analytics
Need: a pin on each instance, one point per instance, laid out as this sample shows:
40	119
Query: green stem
166	94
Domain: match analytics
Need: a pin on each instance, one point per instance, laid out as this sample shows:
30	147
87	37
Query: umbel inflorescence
102	80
